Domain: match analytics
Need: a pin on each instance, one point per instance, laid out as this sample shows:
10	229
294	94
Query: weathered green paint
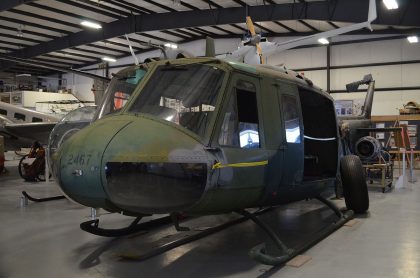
127	137
84	152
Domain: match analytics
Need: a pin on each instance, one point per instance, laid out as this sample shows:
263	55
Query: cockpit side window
240	126
120	90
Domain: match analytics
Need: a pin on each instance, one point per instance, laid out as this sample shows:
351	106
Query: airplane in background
20	126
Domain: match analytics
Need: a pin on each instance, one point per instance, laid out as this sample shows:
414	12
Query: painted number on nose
79	159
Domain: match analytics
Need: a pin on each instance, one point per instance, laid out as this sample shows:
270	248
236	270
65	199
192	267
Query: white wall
81	86
385	103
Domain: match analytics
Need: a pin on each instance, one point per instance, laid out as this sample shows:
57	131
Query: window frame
280	97
235	78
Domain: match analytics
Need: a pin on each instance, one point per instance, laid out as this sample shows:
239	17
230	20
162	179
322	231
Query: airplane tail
367	106
372	14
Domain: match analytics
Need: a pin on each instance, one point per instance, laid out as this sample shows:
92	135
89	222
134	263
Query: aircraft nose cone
154	167
77	163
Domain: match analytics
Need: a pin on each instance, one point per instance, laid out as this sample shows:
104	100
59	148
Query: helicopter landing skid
260	254
92	226
187	237
38	200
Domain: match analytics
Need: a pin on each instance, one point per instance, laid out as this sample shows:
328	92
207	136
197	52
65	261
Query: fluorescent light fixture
171	45
413	39
390	4
91	24
23	75
109	59
323	41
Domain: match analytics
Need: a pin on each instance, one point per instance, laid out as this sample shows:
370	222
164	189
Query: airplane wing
24	134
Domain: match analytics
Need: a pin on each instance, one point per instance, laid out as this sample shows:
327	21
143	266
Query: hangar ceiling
49	32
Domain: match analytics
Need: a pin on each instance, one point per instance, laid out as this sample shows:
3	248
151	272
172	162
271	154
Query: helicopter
210	135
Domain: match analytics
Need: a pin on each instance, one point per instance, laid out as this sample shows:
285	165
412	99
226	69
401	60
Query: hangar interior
51	54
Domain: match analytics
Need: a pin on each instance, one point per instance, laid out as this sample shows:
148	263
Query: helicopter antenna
136	61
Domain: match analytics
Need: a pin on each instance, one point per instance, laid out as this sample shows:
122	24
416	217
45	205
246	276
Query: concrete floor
44	240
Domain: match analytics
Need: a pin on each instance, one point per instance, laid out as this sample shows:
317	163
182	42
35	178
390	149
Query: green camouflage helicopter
203	136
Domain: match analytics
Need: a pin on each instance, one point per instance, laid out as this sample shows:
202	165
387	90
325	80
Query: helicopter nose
153	166
77	163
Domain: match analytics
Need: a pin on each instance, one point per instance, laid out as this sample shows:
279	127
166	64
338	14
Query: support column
328	68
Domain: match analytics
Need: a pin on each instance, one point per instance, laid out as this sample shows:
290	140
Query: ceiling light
109	59
171	45
413	39
23	75
391	4
91	24
323	41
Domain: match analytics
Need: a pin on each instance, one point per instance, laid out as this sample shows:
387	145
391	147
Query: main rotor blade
281	46
250	25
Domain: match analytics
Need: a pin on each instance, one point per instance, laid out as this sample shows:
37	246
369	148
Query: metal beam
318	10
9	4
27	32
40	26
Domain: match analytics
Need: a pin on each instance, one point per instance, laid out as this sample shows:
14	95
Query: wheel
354	184
21	169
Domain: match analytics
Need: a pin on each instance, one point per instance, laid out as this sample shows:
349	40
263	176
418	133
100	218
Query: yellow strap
219	165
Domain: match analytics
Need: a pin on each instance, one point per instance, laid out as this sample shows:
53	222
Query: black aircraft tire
354	184
21	170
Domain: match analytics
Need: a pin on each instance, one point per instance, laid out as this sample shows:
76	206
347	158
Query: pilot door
291	117
242	158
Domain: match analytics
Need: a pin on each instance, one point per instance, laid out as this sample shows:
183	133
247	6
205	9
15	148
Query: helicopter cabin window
182	94
120	90
291	118
3	112
240	123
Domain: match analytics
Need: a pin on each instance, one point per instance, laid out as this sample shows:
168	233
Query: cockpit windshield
120	90
182	94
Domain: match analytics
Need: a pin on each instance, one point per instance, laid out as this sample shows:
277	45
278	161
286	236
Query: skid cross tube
259	252
187	239
331	205
269	232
